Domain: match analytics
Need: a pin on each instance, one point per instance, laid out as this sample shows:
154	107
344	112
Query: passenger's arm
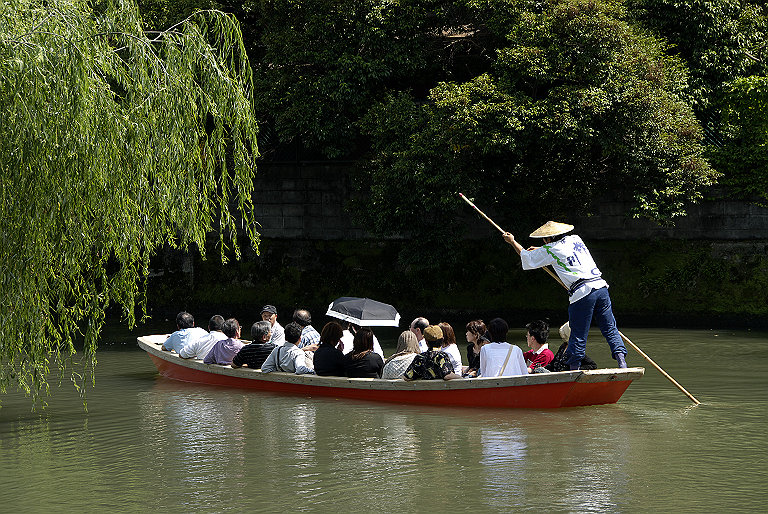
299	363
483	362
164	347
269	364
187	351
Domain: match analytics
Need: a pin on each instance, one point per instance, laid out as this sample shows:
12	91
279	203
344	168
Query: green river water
151	444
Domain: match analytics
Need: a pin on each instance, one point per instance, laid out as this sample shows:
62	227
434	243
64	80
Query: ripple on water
150	444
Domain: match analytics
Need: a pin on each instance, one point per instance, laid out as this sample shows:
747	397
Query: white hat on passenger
551	229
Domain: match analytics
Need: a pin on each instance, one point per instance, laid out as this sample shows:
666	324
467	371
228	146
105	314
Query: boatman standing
588	292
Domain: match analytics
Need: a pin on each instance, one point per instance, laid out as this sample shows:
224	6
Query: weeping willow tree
113	142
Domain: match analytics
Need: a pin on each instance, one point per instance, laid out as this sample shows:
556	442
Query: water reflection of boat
541	390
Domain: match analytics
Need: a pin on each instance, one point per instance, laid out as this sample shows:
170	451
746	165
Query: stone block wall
308	201
304	201
726	220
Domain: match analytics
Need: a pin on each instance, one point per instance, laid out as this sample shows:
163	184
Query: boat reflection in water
504	457
354	454
150	444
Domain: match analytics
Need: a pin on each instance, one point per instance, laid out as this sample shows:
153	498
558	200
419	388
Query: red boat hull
537	395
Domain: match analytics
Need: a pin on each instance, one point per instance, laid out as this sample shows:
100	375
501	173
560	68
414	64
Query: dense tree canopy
744	157
724	44
719	40
512	97
540	107
320	64
578	104
113	143
535	103
324	68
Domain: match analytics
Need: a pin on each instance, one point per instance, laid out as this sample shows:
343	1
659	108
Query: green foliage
681	282
723	43
719	40
689	278
112	144
158	14
744	159
320	63
578	103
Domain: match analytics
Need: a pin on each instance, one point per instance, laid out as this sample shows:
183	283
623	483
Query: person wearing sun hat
588	292
432	364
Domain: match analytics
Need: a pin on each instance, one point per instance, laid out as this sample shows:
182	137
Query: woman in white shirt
450	347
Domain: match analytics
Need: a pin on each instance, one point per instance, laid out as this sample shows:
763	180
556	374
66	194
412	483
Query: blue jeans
596	304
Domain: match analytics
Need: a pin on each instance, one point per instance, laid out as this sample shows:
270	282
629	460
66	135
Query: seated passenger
539	354
417	327
560	361
499	358
199	348
269	313
407	349
362	361
254	354
349	337
329	361
432	364
450	347
288	357
476	338
310	338
186	332
223	351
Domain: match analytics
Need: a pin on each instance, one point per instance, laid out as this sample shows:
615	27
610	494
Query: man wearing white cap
588	292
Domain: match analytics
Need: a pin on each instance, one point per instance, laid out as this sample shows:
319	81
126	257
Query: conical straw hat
551	229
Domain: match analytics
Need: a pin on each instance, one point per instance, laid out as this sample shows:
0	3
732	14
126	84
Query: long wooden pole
481	213
623	337
668	377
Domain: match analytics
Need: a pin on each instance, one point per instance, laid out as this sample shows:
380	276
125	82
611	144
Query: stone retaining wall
304	202
710	219
307	201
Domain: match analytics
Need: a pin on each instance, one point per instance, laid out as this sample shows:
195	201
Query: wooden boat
540	390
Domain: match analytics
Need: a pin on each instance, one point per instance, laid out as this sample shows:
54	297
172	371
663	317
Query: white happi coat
572	262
